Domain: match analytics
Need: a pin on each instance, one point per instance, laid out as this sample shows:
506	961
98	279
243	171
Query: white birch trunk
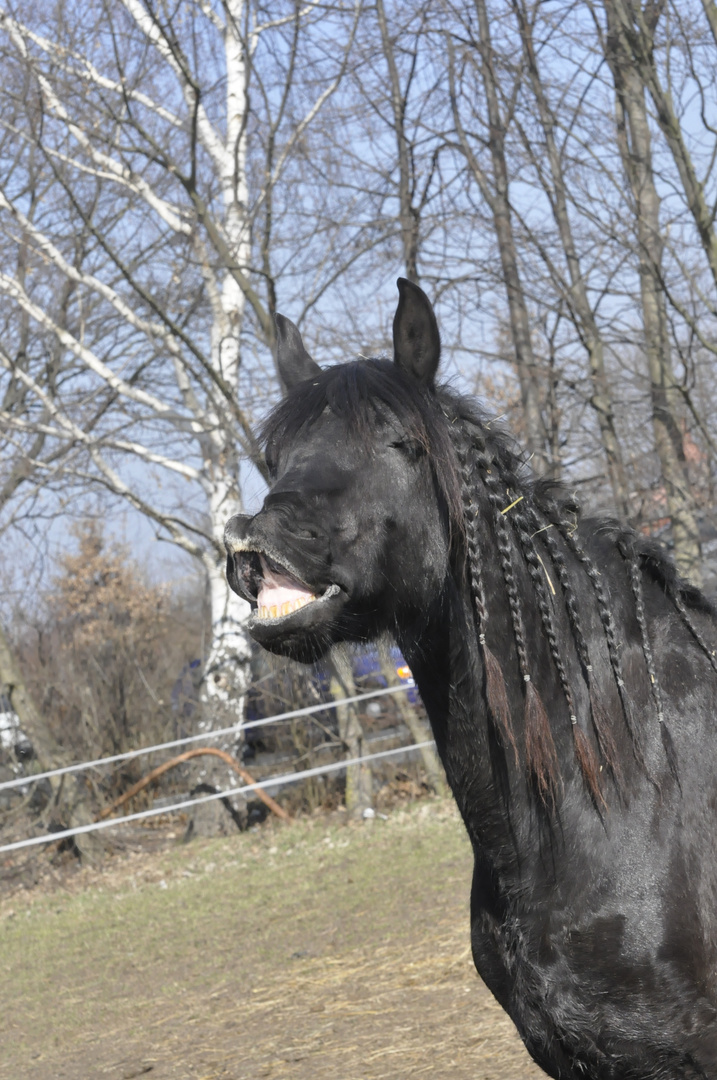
227	672
188	182
227	669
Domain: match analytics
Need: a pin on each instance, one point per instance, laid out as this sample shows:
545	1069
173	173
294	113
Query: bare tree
635	145
159	135
573	287
478	63
408	209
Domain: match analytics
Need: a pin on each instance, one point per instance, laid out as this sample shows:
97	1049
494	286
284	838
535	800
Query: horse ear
295	364
416	341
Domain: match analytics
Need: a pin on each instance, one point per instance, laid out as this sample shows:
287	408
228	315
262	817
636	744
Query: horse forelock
361	393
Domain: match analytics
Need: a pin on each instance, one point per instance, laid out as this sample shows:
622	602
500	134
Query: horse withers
568	673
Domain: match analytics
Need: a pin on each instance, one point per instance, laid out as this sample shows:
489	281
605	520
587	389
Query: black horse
568	673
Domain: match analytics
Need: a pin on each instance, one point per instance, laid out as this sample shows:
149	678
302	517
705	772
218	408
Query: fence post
420	732
359	781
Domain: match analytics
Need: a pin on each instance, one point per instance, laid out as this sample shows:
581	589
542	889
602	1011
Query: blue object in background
365	666
185	692
368	675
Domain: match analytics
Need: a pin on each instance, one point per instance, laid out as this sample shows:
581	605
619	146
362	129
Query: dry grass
305	952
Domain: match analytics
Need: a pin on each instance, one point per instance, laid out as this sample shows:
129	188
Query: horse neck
445	658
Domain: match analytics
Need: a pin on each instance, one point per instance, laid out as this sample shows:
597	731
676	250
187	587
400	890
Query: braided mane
482	479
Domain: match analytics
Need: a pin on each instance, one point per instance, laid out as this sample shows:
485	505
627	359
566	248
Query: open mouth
275	592
281	594
290	616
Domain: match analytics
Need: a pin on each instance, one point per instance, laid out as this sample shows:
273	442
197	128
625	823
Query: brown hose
186	756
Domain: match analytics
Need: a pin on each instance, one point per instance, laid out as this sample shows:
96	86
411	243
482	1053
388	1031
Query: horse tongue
280	594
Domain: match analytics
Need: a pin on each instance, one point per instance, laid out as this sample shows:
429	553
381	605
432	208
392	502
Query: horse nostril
236	529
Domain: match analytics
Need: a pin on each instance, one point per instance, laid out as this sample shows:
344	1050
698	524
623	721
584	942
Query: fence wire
272	781
235	729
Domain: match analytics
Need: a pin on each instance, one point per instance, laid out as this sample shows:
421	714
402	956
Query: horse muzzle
290	615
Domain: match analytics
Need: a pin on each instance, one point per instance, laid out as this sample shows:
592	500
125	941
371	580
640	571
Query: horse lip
255	548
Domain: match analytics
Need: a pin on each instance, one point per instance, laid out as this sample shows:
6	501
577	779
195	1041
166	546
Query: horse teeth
277	610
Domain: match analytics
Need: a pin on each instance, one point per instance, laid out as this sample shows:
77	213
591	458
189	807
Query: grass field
316	950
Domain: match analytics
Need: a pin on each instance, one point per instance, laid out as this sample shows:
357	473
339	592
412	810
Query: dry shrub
103	659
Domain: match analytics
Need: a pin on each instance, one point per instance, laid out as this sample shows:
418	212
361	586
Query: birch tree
149	174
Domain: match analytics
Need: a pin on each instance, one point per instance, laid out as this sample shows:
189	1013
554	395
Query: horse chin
305	634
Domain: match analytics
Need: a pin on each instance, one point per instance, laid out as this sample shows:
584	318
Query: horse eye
412	448
270	461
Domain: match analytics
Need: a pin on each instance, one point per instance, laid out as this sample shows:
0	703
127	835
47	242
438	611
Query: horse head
351	530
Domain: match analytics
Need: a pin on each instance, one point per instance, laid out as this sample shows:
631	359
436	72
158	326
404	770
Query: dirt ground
317	950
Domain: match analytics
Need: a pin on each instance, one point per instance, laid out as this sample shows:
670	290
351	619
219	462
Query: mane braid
685	616
635	574
498	468
496	693
598	714
584	752
568	534
540	753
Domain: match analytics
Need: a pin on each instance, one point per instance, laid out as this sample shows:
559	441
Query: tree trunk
359	782
420	732
227	671
528	372
580	310
228	664
636	151
711	13
409	216
635	29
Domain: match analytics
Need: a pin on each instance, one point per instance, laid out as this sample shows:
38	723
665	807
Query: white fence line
273	781
235	729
